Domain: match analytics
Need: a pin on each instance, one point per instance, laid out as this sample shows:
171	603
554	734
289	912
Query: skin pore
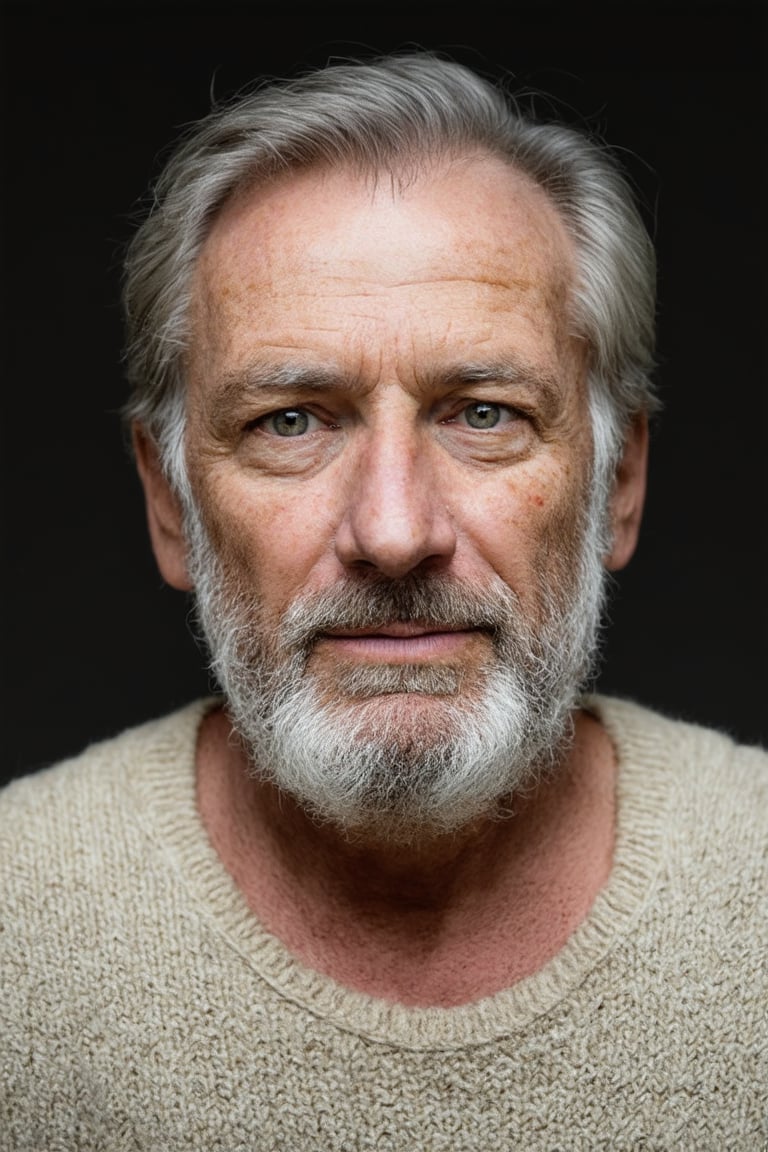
383	381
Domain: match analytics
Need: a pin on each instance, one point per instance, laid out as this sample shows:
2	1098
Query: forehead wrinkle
352	286
476	281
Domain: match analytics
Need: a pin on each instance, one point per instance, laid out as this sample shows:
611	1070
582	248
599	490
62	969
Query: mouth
399	642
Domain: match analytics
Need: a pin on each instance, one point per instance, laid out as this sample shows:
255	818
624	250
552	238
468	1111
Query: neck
442	920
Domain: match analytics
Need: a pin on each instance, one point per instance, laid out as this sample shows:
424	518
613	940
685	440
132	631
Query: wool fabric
144	1007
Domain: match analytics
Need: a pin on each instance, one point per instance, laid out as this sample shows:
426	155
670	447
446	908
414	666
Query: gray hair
393	114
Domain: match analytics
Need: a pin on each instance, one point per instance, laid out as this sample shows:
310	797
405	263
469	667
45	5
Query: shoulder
691	751
69	799
709	791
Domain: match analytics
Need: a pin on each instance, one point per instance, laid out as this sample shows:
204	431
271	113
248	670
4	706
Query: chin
416	725
395	767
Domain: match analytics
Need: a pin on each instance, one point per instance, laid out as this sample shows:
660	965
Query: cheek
560	535
525	526
271	537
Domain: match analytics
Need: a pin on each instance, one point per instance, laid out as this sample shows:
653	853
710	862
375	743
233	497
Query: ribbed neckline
159	763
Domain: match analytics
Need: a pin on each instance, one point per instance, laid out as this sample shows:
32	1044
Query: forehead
335	265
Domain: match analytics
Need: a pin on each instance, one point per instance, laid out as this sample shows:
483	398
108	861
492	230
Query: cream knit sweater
144	1007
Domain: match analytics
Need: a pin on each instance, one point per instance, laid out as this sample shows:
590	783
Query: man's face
384	392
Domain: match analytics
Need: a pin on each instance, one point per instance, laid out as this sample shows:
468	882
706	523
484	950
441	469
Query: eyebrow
262	377
511	369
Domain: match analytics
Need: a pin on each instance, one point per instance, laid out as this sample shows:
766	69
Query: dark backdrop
93	93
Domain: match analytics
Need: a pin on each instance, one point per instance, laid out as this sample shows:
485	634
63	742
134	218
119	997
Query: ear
626	504
164	516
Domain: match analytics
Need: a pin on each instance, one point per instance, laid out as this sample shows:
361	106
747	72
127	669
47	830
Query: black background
93	641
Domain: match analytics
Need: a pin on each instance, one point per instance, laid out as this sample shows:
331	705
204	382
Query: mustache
423	600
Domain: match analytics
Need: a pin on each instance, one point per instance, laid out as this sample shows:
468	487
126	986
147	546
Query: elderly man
402	884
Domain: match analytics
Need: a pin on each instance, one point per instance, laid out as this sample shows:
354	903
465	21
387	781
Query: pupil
483	415
291	422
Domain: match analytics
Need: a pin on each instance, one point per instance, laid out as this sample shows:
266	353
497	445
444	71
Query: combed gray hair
395	114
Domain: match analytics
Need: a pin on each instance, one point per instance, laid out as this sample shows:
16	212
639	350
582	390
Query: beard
398	751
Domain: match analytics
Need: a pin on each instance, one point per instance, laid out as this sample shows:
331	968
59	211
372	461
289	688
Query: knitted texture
145	1008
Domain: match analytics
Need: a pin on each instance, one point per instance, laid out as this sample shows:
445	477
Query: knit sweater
144	1007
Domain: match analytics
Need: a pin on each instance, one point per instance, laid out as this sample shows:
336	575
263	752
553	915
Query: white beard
401	751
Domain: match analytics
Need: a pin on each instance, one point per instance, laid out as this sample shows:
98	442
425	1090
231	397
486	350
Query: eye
483	415
288	422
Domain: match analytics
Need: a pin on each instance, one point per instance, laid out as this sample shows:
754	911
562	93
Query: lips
397	642
398	629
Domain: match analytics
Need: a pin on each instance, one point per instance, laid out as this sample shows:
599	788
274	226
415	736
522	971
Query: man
402	885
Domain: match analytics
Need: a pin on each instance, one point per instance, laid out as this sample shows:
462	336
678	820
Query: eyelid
315	421
458	409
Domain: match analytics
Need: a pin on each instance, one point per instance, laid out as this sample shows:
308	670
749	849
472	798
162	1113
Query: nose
395	519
